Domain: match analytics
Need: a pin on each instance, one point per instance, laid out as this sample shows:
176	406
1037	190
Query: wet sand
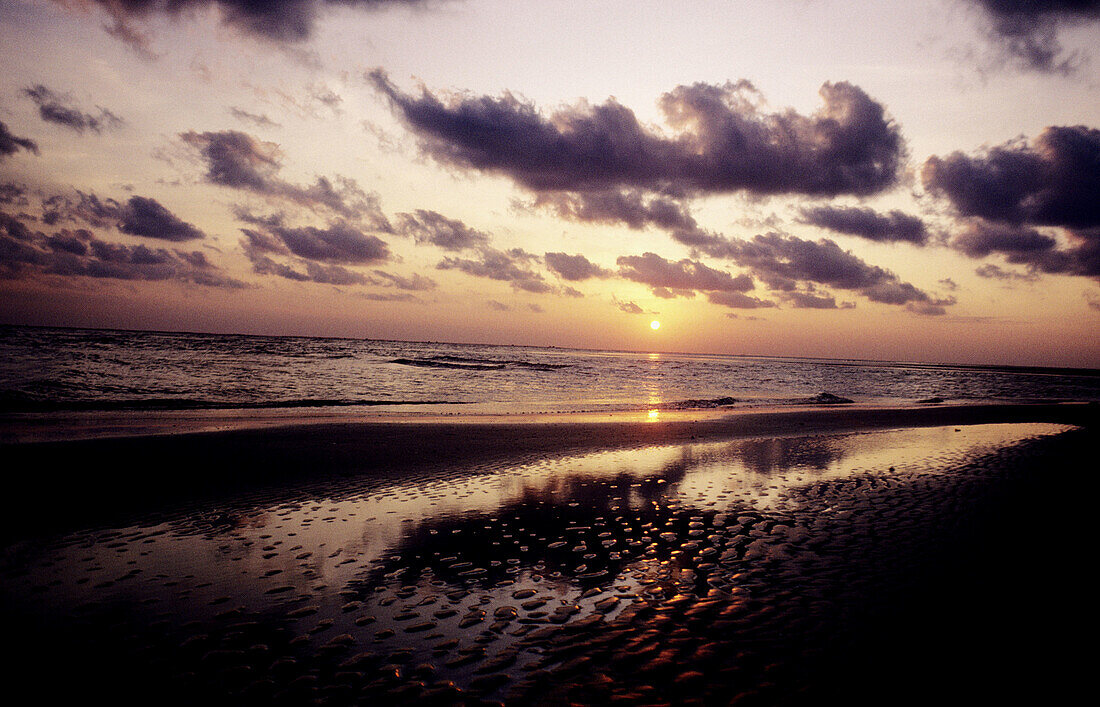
786	558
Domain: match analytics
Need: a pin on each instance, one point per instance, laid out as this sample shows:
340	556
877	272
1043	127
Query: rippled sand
766	570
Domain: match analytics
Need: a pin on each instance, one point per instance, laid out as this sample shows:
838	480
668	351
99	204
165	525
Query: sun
654	325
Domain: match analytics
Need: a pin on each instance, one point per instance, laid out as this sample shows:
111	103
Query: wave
170	404
823	399
477	364
432	363
695	404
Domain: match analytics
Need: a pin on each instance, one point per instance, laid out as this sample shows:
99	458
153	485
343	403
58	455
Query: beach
782	556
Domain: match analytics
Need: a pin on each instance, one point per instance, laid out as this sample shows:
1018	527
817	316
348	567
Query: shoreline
62	483
17	429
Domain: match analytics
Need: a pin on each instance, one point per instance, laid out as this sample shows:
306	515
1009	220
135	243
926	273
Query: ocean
54	369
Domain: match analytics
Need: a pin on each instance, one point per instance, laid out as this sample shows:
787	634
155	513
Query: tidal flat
887	566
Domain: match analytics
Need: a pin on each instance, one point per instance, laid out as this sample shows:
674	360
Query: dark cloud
630	207
433	228
737	300
57	108
320	254
1053	181
339	243
1004	195
868	223
236	159
683	278
1023	245
139	216
498	306
1028	29
511	266
240	161
783	261
27	252
146	217
12	193
635	210
10	144
723	142
811	300
85	208
314	272
980	238
629	307
574	267
994	272
273	20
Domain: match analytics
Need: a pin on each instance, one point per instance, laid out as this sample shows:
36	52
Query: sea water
53	369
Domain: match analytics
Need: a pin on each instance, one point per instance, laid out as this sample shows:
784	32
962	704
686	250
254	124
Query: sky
861	179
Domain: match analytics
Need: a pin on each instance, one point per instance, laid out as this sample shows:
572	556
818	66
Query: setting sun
655	325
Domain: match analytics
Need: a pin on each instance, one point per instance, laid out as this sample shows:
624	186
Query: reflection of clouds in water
461	568
765	456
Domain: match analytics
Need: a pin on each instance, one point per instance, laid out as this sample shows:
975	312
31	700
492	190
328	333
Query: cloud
630	207
27	252
980	238
339	243
509	266
258	119
414	282
498	306
811	300
12	193
866	223
1005	194
433	228
139	216
685	278
315	253
629	307
314	272
783	261
239	161
1028	30
722	142
736	300
993	272
273	20
56	108
10	144
574	267
236	159
389	296
146	217
1052	181
1023	245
